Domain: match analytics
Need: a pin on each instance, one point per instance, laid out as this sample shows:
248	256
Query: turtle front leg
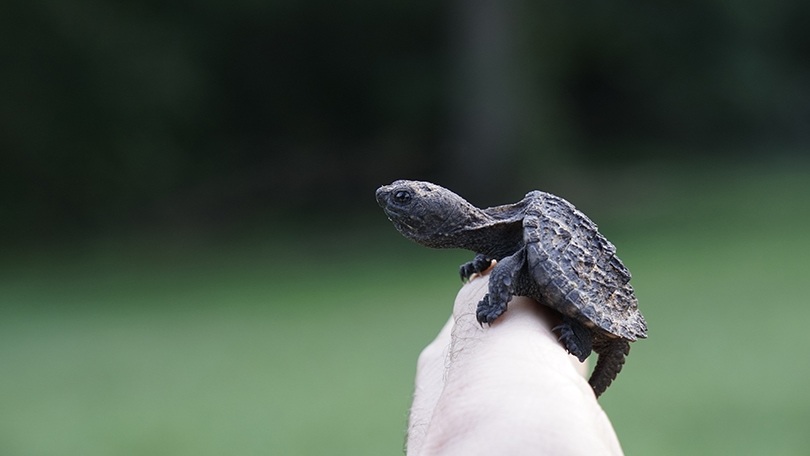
501	280
478	265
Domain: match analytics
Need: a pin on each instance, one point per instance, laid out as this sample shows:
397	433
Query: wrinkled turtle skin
546	250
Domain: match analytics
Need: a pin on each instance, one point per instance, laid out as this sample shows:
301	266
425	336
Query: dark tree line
117	113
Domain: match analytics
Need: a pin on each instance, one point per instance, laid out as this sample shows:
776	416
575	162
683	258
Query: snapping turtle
546	250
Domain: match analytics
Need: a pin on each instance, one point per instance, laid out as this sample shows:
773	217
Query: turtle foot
487	312
478	265
576	338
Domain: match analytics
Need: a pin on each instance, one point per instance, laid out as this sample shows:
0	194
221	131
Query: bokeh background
193	261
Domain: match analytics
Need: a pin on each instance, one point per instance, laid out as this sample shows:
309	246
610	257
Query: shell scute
576	268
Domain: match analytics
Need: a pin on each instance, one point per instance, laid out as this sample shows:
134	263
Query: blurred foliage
693	73
134	113
110	108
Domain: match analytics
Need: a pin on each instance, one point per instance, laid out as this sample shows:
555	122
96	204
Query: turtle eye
402	197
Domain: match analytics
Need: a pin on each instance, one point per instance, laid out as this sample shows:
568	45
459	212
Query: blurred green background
193	261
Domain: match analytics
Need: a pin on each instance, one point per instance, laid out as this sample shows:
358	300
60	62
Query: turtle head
427	213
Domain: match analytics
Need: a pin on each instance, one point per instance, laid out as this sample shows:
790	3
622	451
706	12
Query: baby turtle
546	250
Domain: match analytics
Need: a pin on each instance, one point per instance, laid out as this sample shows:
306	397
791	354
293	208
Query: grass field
306	345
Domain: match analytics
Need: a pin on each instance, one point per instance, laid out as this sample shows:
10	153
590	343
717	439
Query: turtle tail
611	353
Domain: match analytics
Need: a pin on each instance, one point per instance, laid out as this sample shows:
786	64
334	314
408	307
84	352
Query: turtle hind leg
478	265
575	337
611	359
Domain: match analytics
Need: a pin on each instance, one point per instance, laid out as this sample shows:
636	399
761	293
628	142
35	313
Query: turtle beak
382	196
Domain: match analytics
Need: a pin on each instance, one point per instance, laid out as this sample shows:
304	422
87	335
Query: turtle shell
576	269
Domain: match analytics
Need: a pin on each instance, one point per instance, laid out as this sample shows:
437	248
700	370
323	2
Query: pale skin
510	388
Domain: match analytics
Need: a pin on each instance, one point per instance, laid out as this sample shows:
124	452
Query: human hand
509	389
